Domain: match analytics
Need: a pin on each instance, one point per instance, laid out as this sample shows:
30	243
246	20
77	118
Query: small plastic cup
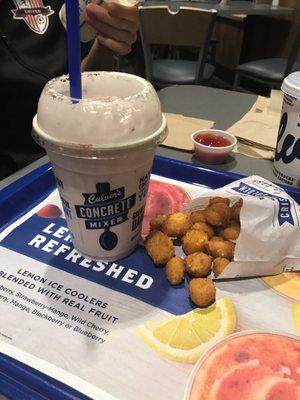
210	154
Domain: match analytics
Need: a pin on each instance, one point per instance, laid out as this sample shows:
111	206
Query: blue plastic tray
17	380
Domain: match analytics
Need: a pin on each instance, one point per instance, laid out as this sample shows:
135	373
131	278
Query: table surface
236	7
222	106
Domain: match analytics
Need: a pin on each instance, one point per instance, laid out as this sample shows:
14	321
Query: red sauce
211	140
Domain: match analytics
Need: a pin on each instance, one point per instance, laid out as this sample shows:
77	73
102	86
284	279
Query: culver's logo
289	146
95	198
104	209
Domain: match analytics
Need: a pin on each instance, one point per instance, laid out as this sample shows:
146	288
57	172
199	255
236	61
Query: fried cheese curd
198	216
204	227
235	210
194	240
218	214
198	264
175	270
176	224
217	199
223	249
202	291
219	264
159	247
157	222
231	232
216	239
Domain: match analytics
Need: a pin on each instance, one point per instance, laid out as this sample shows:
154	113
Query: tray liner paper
75	319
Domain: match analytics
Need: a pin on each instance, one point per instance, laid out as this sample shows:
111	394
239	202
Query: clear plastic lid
291	85
117	111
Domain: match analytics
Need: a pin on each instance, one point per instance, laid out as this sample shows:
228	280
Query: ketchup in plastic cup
212	146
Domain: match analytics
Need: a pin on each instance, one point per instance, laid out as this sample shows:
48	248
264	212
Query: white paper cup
102	150
286	164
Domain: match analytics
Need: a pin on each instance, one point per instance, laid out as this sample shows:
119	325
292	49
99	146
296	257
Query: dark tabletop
222	106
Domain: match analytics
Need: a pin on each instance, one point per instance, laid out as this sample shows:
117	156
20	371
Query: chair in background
187	27
270	71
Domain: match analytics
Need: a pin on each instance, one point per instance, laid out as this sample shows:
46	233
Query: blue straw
74	54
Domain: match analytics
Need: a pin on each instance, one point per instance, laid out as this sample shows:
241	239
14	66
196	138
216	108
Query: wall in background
242	38
229	32
296	20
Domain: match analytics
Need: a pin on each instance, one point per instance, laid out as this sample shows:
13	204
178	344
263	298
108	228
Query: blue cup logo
105	209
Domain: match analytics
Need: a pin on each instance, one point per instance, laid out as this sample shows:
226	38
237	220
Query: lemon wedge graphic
184	338
296	316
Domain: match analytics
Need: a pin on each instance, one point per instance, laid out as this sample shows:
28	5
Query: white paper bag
269	242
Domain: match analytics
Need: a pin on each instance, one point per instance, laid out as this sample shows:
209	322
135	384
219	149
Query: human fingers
117	34
117	47
128	13
97	15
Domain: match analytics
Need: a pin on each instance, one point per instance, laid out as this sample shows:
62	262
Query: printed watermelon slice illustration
163	198
49	211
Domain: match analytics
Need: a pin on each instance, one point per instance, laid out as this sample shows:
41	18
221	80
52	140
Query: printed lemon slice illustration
296	316
184	338
286	284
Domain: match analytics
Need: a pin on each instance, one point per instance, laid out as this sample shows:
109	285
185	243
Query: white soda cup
87	33
101	149
286	164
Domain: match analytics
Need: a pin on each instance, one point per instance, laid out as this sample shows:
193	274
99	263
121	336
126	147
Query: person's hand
115	24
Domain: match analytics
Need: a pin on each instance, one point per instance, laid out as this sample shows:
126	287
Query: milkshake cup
286	164
101	149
